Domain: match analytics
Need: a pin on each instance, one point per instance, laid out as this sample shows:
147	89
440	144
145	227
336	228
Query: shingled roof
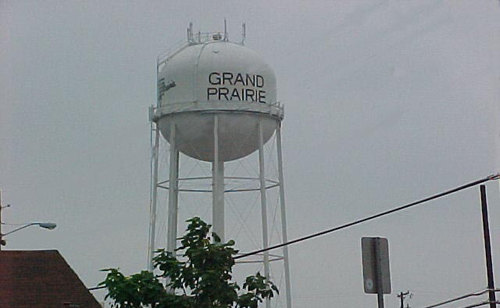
40	279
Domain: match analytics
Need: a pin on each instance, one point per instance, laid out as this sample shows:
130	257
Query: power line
474	294
482	304
449	301
357	222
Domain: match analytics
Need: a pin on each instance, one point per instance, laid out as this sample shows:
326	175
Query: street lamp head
47	225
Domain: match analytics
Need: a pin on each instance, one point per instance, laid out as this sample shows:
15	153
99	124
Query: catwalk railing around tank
275	110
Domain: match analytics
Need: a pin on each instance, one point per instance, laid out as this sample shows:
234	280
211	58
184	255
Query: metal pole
263	201
1	207
218	186
173	192
154	197
378	270
283	218
487	247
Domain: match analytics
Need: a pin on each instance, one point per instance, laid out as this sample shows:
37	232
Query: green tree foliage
201	278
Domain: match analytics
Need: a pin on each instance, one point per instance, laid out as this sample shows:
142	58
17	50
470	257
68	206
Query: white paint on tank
217	77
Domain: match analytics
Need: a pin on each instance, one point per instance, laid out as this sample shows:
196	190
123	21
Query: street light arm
45	225
20	228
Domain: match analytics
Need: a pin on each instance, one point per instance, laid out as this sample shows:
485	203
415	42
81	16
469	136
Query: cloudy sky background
386	103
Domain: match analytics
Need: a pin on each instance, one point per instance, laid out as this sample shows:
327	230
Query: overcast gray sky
386	102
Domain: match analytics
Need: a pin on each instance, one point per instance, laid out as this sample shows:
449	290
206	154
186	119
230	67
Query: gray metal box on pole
376	272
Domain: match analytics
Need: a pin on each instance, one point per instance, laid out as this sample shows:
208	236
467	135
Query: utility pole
487	248
402	296
2	241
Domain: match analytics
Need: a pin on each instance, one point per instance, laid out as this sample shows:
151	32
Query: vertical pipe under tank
154	197
284	234
263	202
218	186
173	191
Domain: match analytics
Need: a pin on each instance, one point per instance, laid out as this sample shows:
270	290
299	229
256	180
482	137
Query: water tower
217	104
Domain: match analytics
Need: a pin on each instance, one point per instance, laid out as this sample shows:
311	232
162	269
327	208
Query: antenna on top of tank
190	33
225	31
243	33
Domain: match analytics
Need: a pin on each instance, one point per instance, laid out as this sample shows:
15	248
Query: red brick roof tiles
40	279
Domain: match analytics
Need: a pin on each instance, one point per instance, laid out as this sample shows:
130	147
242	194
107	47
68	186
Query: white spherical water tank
217	103
217	77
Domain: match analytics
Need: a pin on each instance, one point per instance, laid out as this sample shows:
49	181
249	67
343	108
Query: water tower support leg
154	197
263	201
173	181
283	219
218	186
